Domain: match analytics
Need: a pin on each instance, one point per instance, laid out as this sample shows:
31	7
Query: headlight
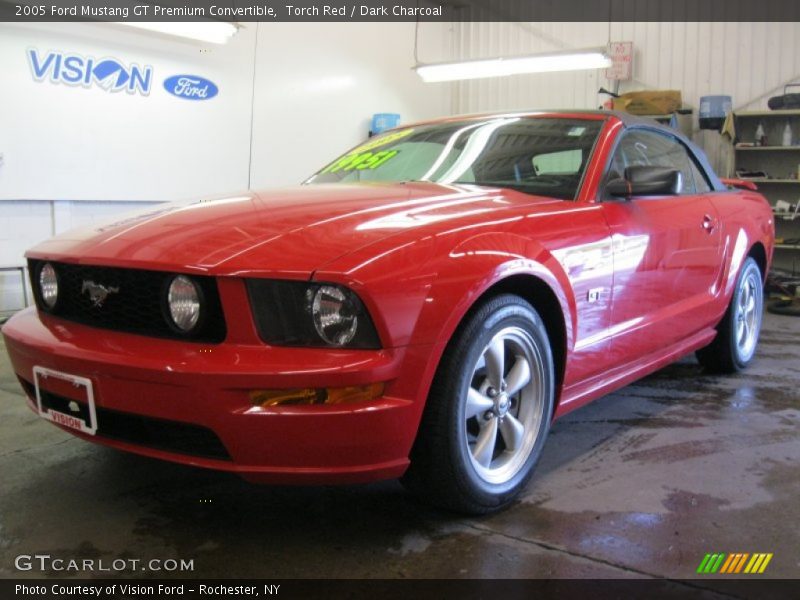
335	316
48	285
183	299
300	313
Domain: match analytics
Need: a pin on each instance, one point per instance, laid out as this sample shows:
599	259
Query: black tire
445	470
726	354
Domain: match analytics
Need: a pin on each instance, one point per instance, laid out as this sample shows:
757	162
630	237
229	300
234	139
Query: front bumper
207	387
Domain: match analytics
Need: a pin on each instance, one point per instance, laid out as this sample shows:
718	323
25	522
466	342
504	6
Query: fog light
183	299
48	285
308	396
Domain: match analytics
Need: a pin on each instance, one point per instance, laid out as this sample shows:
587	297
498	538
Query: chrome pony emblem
97	292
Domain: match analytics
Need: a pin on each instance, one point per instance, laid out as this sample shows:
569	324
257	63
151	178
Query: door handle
709	223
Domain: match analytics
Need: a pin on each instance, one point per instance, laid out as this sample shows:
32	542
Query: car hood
289	231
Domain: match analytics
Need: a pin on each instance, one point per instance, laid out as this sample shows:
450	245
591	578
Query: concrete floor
641	483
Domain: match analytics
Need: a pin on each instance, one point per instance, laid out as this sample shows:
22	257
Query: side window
648	148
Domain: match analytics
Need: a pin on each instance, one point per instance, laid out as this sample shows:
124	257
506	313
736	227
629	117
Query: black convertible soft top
633	121
629	121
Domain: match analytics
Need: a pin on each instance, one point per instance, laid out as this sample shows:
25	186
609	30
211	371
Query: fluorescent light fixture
214	32
570	60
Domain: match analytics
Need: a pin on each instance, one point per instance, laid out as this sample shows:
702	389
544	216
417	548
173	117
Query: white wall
745	60
316	100
67	142
73	155
748	61
576	89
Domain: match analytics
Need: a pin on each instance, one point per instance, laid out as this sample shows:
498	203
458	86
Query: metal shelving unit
768	180
769	148
781	164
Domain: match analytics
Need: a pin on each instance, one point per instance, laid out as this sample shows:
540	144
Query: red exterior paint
419	255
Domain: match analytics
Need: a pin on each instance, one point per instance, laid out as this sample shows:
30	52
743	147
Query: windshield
539	155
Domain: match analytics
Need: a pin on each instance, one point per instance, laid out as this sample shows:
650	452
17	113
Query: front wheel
488	411
737	334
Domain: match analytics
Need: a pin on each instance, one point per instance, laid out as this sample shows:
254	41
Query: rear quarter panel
746	219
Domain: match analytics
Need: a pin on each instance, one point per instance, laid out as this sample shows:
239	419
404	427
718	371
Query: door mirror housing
646	181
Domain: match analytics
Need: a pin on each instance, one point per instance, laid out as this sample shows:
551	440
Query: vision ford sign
109	74
190	87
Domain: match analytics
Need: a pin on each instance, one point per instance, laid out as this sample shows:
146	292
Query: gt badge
594	294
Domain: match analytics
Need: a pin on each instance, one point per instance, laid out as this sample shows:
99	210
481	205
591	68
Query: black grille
138	304
159	434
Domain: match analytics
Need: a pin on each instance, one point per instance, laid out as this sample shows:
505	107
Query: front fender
475	266
419	291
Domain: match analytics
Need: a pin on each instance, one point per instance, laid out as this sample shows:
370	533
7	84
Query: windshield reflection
539	154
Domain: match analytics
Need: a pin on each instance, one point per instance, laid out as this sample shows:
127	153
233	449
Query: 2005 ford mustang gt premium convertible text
423	307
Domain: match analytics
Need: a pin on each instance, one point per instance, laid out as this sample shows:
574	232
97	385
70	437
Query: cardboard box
653	102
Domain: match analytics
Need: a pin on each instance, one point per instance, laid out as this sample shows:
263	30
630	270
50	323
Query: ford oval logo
190	87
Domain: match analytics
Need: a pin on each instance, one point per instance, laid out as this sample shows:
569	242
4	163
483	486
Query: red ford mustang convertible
423	307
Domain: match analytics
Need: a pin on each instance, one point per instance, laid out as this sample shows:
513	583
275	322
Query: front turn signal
317	396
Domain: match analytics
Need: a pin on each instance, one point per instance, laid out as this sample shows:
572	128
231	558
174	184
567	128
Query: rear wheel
737	334
488	412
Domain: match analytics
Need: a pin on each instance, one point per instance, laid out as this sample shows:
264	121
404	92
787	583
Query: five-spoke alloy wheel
503	405
737	334
488	412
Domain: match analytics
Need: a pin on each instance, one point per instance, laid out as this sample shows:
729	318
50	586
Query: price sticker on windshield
360	161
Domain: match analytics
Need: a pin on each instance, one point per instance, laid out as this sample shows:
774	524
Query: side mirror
646	181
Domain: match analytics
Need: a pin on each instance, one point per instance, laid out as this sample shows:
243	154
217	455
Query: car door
666	250
580	241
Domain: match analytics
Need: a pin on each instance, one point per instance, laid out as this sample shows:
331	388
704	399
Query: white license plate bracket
62	418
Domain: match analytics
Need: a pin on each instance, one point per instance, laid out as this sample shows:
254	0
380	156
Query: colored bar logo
737	562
